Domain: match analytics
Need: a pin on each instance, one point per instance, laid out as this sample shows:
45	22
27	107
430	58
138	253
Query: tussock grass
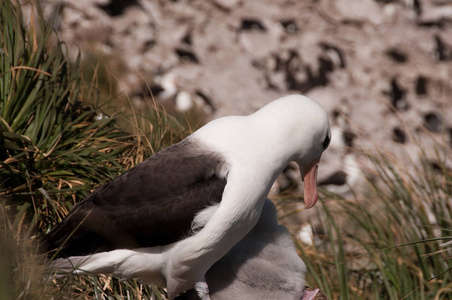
58	141
392	242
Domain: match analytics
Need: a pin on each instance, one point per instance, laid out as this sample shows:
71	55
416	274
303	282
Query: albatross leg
202	289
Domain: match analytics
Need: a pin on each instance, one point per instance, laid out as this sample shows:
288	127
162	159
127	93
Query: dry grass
390	242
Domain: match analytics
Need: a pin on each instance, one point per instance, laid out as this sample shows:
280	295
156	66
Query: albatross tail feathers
143	263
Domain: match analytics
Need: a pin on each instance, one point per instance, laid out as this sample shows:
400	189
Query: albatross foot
313	294
202	289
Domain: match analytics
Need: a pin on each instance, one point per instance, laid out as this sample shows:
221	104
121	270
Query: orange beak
309	176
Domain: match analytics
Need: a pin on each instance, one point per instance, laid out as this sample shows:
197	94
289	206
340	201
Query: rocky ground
383	69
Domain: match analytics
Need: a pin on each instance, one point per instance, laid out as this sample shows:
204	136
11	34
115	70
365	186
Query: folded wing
152	204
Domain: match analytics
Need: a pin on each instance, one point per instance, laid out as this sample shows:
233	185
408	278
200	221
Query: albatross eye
326	142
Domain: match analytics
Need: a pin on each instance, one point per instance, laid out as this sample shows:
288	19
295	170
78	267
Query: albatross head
303	133
291	128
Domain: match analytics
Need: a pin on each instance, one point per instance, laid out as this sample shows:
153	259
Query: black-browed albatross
170	218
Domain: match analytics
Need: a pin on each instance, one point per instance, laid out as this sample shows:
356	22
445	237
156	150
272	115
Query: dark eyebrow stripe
326	142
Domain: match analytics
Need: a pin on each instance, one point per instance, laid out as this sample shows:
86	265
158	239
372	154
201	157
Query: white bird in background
168	220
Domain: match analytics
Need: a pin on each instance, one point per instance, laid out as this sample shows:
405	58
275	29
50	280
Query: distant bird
173	216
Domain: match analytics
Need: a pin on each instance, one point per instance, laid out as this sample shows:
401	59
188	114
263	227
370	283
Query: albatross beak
309	176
